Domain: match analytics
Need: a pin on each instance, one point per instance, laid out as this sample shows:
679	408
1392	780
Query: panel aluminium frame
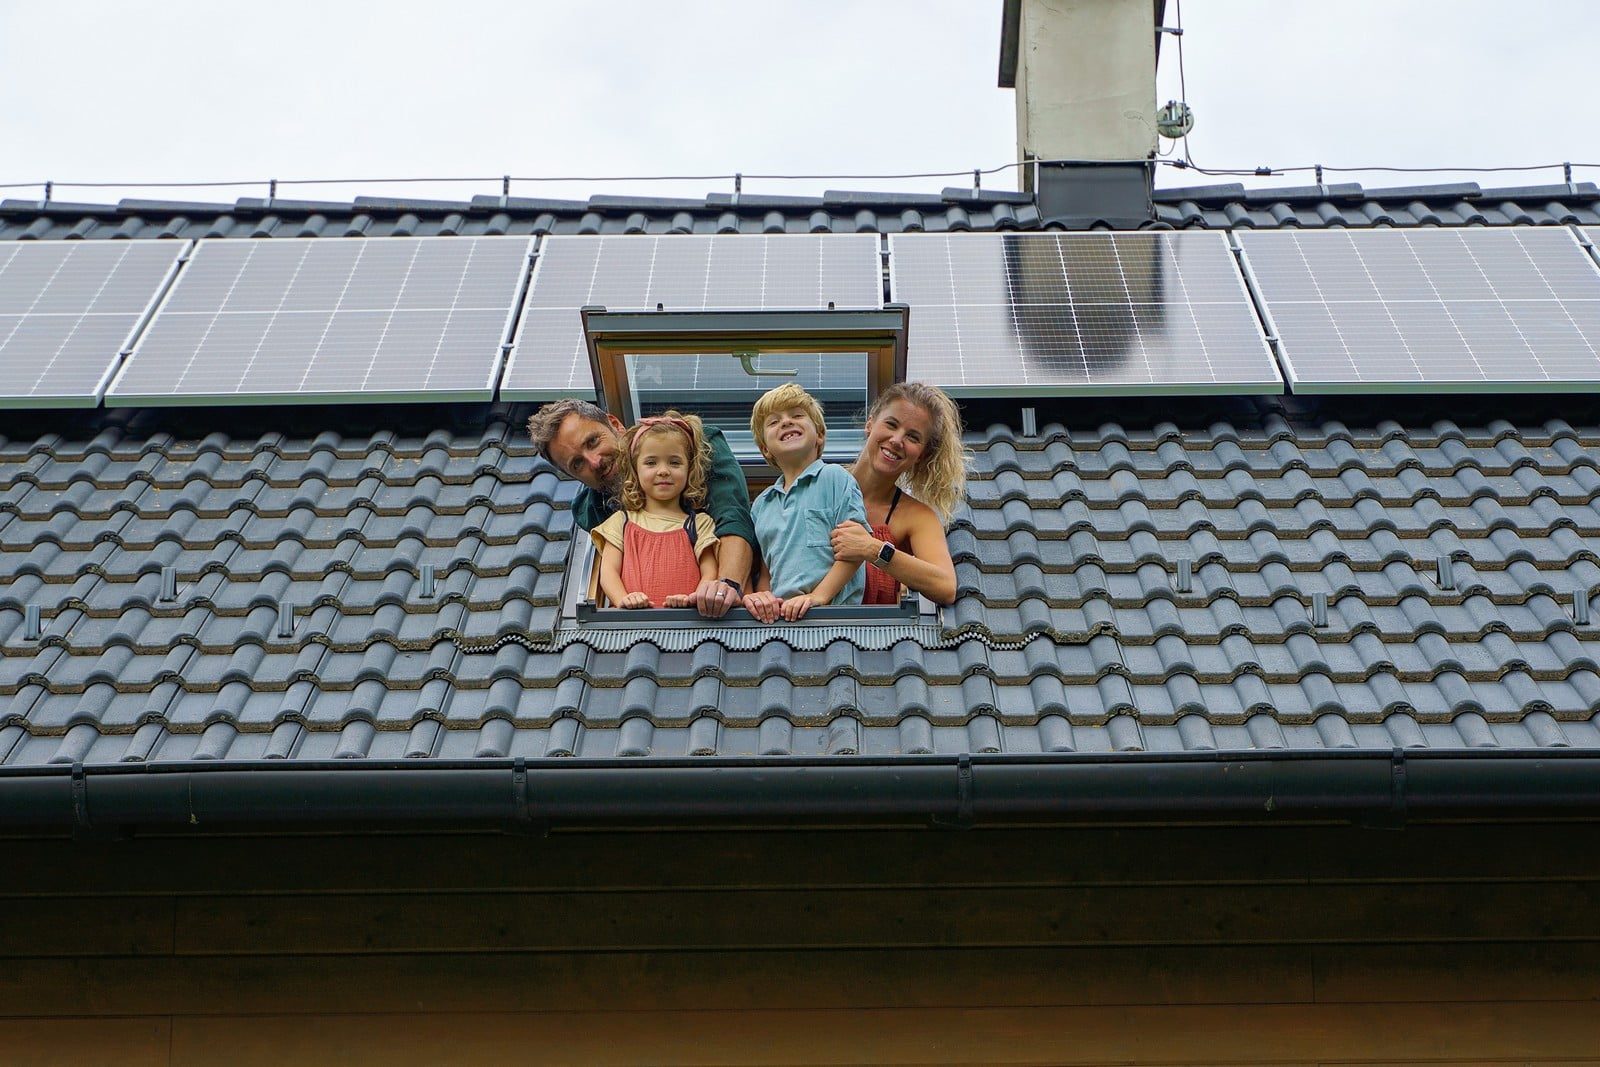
565	317
93	398
116	398
1302	381
1270	383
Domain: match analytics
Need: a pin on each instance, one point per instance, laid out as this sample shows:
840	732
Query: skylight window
717	363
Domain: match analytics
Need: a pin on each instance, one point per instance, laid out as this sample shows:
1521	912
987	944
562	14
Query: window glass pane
716	387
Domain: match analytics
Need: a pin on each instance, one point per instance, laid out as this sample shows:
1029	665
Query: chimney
1085	76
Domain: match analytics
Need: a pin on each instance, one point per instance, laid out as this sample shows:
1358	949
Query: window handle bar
747	361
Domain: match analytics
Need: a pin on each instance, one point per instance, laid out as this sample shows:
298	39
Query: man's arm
727	493
728	504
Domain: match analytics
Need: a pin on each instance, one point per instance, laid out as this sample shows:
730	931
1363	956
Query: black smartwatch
738	590
885	554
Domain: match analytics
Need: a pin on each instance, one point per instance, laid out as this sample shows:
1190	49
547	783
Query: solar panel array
1060	313
316	319
681	273
300	320
1431	310
67	309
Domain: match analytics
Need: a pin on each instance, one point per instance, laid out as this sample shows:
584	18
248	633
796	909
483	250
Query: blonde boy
794	517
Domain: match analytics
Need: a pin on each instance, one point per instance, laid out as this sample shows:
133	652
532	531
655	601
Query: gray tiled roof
1215	206
1068	634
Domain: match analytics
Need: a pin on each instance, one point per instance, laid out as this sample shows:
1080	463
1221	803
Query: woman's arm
611	580
926	568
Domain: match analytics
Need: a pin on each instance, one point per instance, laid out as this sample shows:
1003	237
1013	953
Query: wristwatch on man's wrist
885	554
738	590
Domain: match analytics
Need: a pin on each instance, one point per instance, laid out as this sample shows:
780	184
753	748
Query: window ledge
590	616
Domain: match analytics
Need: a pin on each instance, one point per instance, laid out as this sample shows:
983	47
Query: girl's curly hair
698	451
940	477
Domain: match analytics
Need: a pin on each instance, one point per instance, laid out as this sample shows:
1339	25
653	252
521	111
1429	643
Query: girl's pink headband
645	425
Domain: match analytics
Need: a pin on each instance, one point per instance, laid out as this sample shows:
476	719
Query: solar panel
1435	310
681	273
330	319
1079	313
67	312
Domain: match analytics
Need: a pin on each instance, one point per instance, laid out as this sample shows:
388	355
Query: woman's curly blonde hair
699	455
939	479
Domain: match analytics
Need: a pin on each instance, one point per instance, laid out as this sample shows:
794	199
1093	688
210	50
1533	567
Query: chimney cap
1011	32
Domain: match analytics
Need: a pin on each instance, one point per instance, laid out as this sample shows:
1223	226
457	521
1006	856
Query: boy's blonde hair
786	396
698	450
939	479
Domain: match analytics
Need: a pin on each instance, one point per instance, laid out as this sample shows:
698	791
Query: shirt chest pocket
817	526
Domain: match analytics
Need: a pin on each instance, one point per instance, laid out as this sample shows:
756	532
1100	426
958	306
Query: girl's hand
795	607
677	600
635	600
763	605
854	543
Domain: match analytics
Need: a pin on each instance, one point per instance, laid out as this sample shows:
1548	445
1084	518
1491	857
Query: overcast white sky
110	90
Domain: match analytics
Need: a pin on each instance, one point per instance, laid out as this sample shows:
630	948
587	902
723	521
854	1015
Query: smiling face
661	463
897	437
587	450
791	439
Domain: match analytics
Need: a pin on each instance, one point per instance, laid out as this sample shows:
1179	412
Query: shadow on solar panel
1008	314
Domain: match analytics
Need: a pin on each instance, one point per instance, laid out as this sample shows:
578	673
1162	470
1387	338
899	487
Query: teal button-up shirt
793	524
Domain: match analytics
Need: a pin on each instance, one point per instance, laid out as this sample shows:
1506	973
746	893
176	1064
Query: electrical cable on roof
499	180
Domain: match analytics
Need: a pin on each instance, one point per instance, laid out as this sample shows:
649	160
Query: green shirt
727	496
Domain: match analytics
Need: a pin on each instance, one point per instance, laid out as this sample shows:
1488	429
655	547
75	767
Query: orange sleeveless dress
661	564
881	586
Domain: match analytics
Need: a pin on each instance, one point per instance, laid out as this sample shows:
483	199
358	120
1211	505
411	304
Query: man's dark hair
544	423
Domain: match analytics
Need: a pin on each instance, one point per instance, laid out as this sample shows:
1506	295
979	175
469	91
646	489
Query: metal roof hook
272	190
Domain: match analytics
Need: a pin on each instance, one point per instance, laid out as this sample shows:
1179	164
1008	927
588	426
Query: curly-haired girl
658	547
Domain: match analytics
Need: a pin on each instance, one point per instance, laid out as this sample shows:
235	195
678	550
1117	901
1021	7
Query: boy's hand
677	600
795	607
764	605
635	600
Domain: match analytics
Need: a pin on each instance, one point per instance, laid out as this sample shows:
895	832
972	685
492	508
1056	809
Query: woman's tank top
881	586
659	565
